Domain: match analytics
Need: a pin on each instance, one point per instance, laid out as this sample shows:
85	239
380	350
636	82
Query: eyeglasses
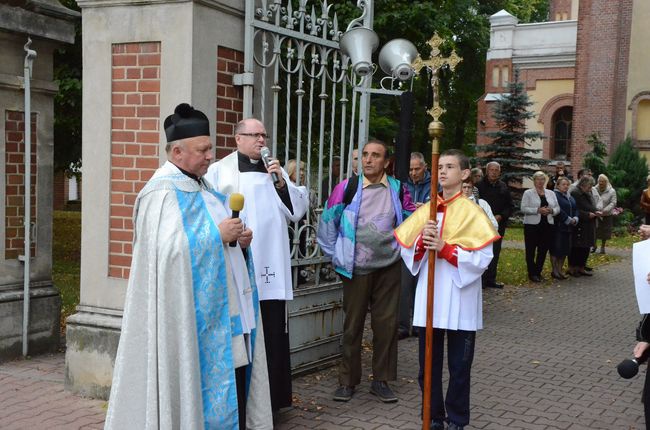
255	135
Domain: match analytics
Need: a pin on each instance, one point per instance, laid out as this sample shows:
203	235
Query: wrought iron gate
301	88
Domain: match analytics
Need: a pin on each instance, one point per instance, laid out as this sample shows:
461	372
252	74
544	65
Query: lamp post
358	43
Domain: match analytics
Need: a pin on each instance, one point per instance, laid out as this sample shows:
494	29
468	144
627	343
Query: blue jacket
421	192
567	210
338	223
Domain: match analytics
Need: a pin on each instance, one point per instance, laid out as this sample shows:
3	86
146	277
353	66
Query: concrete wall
189	35
47	32
638	89
545	55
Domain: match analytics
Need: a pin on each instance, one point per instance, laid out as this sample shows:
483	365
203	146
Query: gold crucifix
435	62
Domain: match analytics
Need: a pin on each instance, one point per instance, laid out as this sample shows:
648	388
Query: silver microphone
266	158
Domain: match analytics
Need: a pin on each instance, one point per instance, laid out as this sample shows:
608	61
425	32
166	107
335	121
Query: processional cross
435	129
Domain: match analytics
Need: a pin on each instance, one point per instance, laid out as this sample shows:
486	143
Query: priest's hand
274	167
430	236
245	238
231	229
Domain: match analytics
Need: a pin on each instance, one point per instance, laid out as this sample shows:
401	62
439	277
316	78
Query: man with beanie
191	352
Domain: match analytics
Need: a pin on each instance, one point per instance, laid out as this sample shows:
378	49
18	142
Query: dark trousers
645	399
379	289
537	239
460	354
406	299
490	275
278	359
240	380
578	256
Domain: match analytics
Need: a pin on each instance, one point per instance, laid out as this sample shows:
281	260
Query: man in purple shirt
357	232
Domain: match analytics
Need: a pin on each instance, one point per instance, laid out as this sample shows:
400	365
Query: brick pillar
602	51
230	99
135	137
15	183
59	195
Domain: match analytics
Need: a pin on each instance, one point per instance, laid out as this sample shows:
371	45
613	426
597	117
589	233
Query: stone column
49	25
141	59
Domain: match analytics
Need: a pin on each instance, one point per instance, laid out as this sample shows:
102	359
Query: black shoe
343	393
586	274
494	285
402	334
588	269
558	277
437	425
535	278
383	391
453	426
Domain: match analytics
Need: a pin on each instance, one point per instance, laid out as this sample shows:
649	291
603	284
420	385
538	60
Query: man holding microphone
271	201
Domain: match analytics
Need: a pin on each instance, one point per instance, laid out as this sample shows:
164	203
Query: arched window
561	138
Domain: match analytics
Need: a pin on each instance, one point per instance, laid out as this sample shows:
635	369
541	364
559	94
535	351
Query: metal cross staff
435	129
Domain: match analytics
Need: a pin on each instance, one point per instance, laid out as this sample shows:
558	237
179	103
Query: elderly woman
645	201
565	222
539	206
468	191
584	234
604	223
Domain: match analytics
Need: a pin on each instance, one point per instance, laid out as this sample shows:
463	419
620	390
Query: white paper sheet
641	268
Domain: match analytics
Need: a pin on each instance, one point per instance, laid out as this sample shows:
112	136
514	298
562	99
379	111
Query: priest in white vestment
462	237
271	201
191	352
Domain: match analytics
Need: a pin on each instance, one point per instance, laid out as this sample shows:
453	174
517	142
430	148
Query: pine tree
511	144
595	160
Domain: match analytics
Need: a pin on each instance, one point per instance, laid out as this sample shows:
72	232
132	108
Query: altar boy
462	237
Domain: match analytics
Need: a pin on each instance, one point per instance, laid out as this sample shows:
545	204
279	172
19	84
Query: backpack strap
350	189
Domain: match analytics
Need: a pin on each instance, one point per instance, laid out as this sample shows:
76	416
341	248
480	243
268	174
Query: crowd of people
205	335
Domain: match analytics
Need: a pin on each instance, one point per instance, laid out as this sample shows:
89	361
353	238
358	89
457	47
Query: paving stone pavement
545	360
32	397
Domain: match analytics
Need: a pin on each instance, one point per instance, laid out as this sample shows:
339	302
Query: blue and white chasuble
191	316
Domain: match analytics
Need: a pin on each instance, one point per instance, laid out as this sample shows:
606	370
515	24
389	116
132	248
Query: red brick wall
59	191
561	7
603	45
135	140
230	99
15	182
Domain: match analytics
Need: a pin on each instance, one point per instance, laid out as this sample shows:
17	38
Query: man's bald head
250	135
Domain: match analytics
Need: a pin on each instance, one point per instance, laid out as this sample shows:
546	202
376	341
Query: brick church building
585	70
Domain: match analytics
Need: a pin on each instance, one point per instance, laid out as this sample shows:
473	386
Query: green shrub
628	171
595	159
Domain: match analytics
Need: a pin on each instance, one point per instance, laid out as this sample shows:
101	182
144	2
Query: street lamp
358	43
